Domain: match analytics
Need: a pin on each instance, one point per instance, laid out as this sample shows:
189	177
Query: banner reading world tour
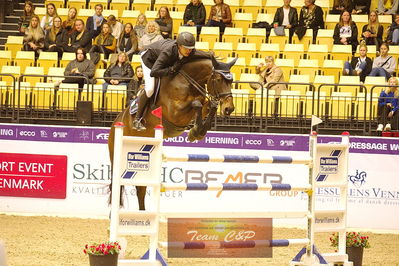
373	194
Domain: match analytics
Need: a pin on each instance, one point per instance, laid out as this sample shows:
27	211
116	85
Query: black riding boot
137	125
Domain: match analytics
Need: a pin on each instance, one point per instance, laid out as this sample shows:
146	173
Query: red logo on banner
33	175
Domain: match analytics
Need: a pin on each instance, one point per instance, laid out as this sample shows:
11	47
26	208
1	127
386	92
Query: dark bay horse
184	98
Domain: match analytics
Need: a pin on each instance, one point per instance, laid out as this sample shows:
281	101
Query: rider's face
184	51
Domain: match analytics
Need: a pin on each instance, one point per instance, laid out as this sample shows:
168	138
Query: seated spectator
372	32
340	6
120	69
34	36
69	23
53	39
311	17
116	26
152	35
220	15
359	66
361	6
383	9
135	85
195	14
393	32
345	32
286	16
95	22
165	22
47	20
383	65
24	20
387	112
141	23
79	67
128	42
105	43
80	37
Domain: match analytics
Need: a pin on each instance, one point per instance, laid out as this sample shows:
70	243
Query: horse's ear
232	62
215	63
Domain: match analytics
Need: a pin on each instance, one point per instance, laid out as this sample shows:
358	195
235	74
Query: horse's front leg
198	124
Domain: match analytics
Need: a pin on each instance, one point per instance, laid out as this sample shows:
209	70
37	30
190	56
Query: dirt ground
53	241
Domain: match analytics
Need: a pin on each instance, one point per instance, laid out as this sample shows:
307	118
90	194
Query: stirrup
138	126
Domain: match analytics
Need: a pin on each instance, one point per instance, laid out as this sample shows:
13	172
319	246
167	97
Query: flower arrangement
102	249
353	239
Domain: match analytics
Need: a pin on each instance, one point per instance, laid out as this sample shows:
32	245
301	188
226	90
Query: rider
163	58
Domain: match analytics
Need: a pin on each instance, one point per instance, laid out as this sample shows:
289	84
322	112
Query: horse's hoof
191	137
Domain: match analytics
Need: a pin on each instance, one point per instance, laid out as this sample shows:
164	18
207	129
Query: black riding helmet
186	39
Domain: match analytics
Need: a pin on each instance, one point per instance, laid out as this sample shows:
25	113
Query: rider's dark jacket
162	55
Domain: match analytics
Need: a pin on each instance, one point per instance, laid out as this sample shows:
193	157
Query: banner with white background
81	154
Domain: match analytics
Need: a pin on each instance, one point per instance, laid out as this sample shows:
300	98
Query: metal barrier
5	108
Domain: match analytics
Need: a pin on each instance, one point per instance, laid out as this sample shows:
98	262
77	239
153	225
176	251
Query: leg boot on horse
137	124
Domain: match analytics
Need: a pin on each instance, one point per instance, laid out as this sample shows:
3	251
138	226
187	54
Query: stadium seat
99	74
286	65
168	3
280	40
233	35
333	67
57	3
257	36
341	52
67	96
78	4
40	11
318	52
239	67
24	59
5	58
242	20
63	13
374	81
14	44
299	79
209	34
290	103
360	21
223	49
96	92
264	104
371	51
321	79
55	74
340	105
23	94
371	107
47	60
29	70
203	46
192	30
85	13
151	15
269	49
331	21
180	5
325	37
136	61
241	102
208	4
93	3
246	77
129	16
254	63
177	19
66	58
294	51
246	50
271	6
308	67
234	6
43	96
115	98
13	70
252	6
306	40
265	17
313	105
347	80
385	21
141	5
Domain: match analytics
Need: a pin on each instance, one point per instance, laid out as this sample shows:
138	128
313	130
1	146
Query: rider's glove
175	68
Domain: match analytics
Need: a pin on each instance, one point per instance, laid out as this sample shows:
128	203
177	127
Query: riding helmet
186	39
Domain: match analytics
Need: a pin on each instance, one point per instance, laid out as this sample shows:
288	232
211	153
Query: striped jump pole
233	187
307	160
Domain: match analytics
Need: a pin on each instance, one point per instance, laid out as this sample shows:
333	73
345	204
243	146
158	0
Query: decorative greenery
102	249
353	239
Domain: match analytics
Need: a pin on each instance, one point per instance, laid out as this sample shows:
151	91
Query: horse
184	98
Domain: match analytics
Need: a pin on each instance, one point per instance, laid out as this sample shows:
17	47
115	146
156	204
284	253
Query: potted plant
355	243
103	254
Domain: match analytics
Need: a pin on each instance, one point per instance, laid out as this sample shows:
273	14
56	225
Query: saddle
134	102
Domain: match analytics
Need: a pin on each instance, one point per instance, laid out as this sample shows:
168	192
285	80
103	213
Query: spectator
80	37
195	14
120	69
141	23
361	6
340	6
345	32
383	65
165	22
105	43
128	42
372	32
136	84
220	15
69	23
393	32
116	26
286	16
387	112
95	22
24	20
152	35
384	10
359	66
34	36
311	17
47	20
79	67
53	39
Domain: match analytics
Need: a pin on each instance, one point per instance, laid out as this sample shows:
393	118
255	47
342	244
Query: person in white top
47	21
286	16
116	26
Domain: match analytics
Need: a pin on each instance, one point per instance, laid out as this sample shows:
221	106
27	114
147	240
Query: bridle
217	96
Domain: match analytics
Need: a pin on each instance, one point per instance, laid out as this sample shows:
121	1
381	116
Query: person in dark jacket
361	6
286	16
53	37
165	22
393	32
163	58
372	32
128	41
135	85
359	66
345	32
80	37
311	17
120	69
195	14
95	22
79	67
340	6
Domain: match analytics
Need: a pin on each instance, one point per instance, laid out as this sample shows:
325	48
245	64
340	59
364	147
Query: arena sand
53	241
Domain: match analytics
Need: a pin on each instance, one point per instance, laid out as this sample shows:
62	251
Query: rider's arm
161	66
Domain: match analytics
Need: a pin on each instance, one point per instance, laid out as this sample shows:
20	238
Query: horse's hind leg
140	191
